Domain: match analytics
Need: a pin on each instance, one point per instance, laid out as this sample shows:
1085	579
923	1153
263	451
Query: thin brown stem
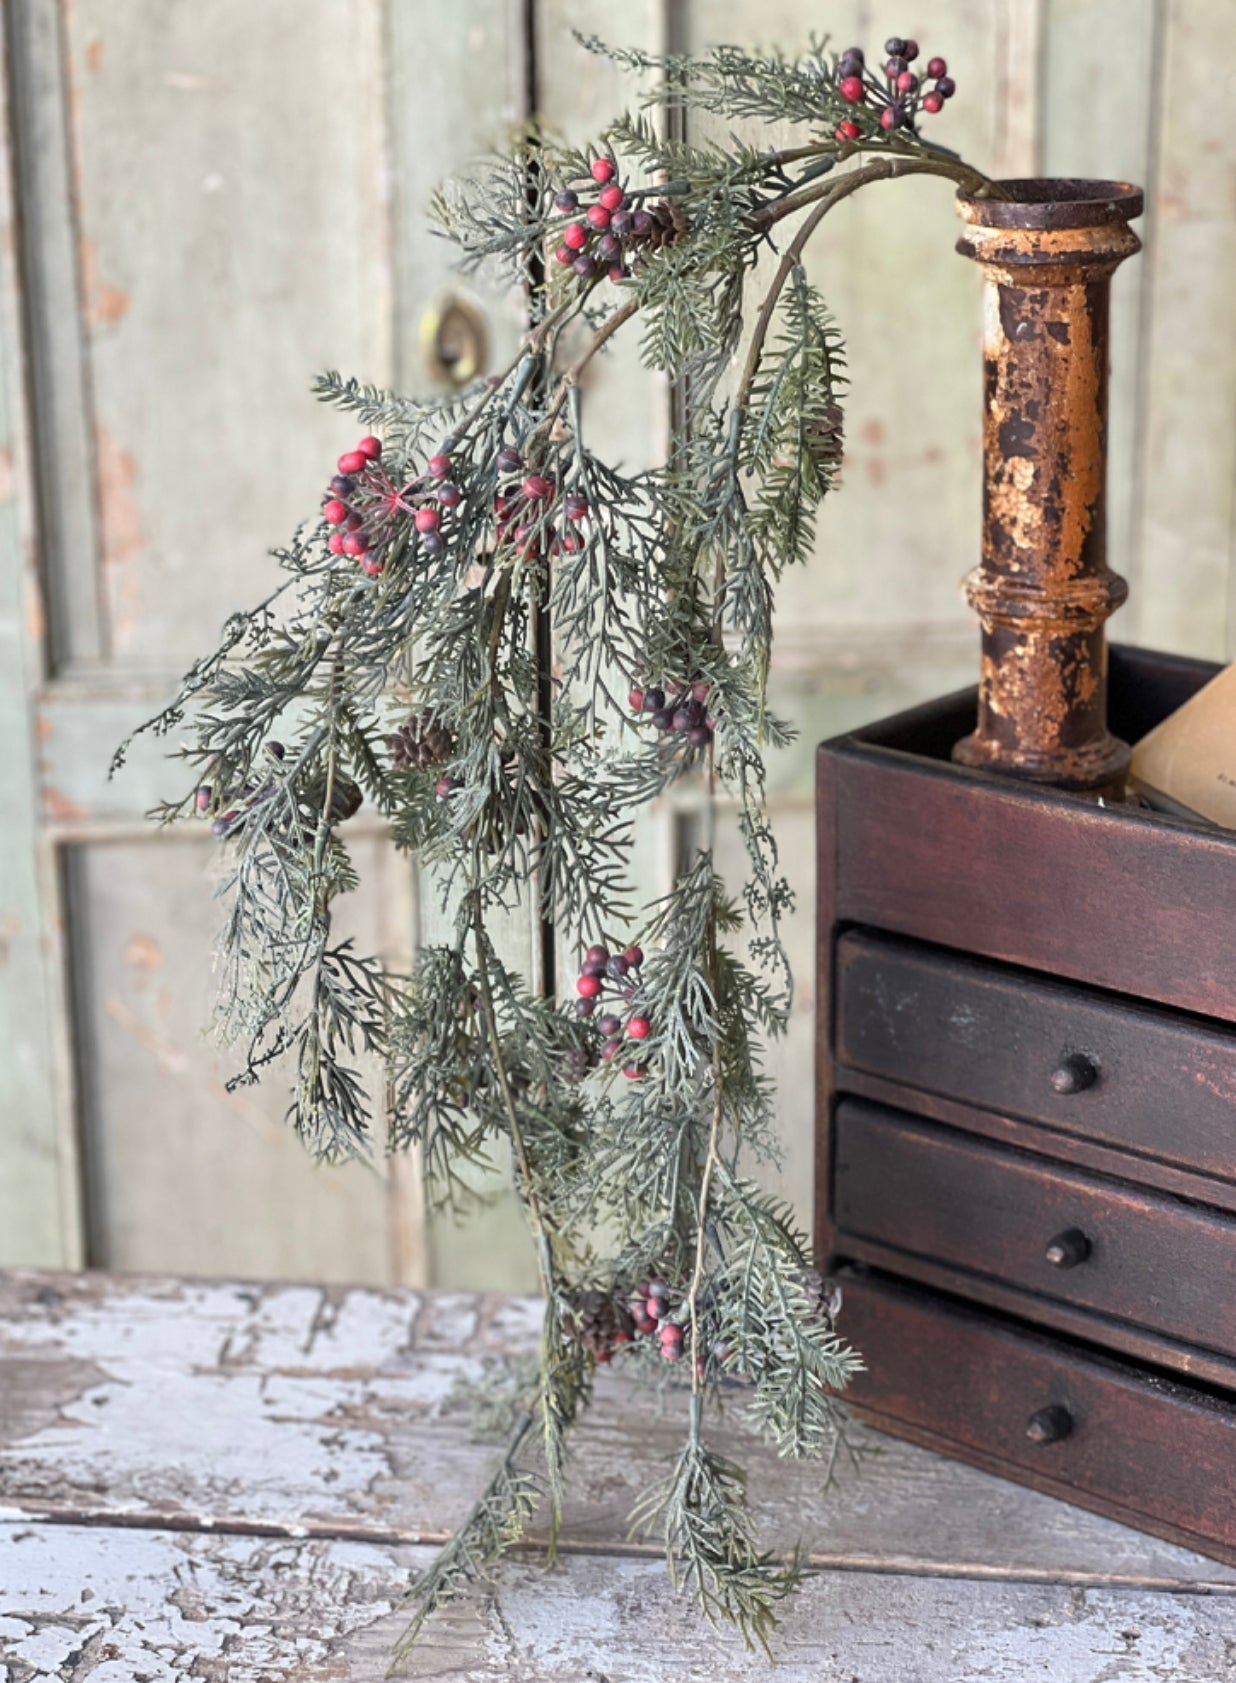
571	376
824	198
885	168
527	1183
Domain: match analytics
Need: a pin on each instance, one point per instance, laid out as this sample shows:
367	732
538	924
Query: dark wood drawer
1147	1081
1033	1224
1136	1446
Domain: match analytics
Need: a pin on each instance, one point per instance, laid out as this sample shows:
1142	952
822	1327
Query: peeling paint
123	537
105	304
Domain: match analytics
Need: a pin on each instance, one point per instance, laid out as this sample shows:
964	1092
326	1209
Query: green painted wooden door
205	203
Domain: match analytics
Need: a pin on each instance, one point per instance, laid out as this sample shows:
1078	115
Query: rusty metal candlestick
1044	591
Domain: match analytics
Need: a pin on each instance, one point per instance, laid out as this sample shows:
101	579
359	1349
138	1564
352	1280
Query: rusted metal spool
1044	592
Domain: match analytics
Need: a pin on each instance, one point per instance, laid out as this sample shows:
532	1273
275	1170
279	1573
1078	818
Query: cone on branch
422	742
598	1322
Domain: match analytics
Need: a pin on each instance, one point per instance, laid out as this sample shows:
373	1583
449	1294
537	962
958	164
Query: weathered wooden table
234	1482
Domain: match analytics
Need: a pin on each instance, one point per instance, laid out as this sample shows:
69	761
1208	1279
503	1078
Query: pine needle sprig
510	646
495	1524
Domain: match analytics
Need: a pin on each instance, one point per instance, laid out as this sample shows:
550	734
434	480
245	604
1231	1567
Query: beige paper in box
1191	756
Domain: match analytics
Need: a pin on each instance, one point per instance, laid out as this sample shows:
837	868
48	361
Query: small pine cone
422	742
598	1322
825	439
825	1296
668	224
576	1064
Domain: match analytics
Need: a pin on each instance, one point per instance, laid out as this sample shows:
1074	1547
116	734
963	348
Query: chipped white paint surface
230	1482
307	1412
116	1607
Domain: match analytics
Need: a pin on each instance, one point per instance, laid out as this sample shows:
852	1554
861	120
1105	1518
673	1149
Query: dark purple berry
621	223
681	720
449	494
910	51
432	543
585	267
664	719
617	967
585	1007
597	955
609	1025
700	737
654	700
642	223
566	200
946	87
894	46
895	66
343	484
509	461
609	247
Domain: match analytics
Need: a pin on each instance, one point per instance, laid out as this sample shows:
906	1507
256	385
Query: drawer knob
1050	1424
1074	1073
1068	1249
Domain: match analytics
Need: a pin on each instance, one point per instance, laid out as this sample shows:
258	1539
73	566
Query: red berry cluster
898	93
610	230
368	508
532	514
618	976
651	1307
680	709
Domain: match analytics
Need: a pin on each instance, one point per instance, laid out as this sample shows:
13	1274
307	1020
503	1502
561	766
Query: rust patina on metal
1044	592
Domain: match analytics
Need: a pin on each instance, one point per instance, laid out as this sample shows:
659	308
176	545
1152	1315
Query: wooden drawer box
1144	1080
1027	1113
1127	1442
1052	1233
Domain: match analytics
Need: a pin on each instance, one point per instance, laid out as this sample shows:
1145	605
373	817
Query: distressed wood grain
1188	456
179	1171
39	1217
158	1606
289	1410
1098	124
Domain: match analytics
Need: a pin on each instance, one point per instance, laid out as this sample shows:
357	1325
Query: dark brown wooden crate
1131	907
997	1038
1122	899
1157	1262
1141	1448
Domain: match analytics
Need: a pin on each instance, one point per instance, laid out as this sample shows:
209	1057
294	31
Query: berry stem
885	168
571	377
527	1180
824	198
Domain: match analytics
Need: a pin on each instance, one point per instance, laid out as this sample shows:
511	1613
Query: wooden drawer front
1140	1447
1097	1244
1159	1084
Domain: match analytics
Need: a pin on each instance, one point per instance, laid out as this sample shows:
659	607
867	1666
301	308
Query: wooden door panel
180	1172
208	218
230	243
